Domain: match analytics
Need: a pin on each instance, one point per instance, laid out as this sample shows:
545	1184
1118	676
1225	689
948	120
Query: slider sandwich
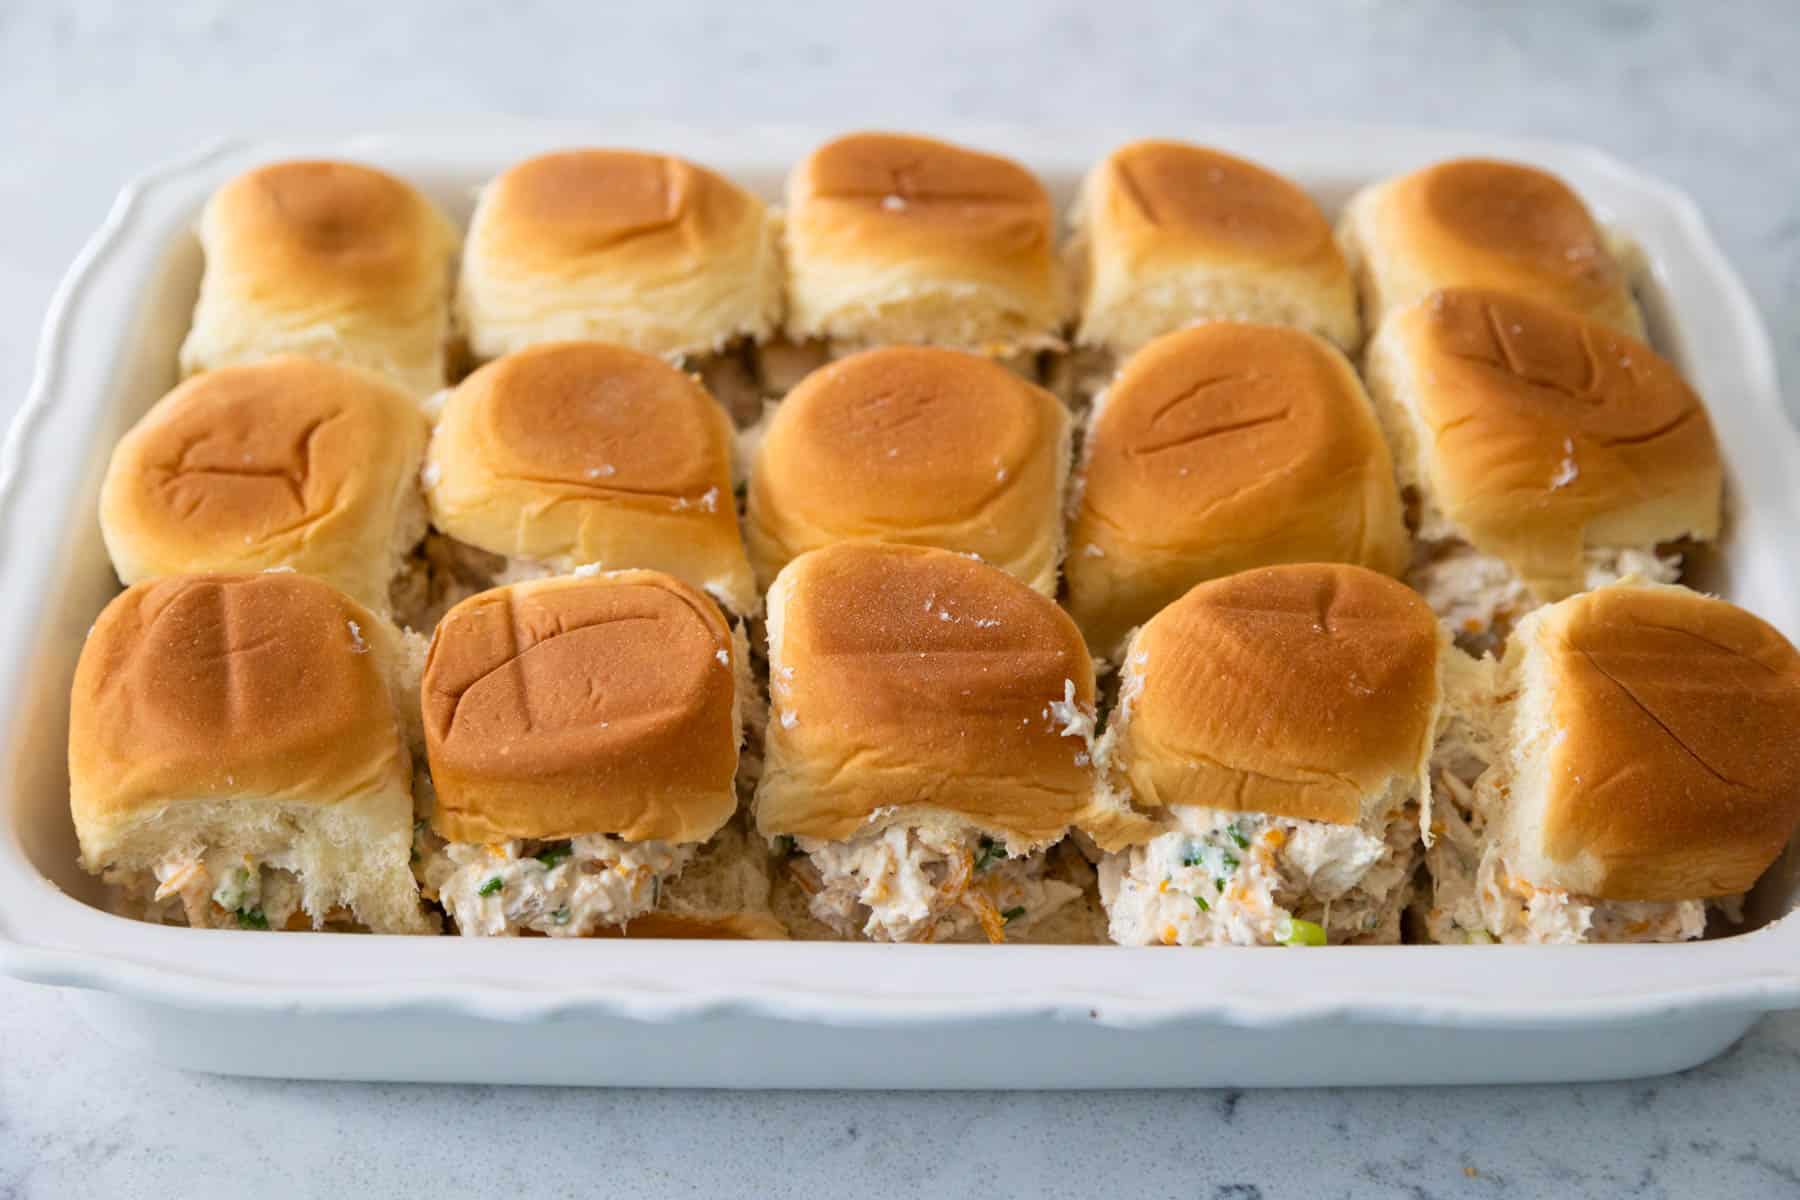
583	738
578	454
1168	234
289	462
1542	454
1643	769
1217	449
238	757
898	239
913	444
1476	223
641	250
929	744
330	260
1273	730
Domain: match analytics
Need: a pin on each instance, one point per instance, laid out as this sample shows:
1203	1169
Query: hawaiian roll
1478	223
238	756
330	260
893	238
288	463
919	445
1220	448
580	453
642	250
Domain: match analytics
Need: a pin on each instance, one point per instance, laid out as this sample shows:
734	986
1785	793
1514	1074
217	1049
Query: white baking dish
766	1014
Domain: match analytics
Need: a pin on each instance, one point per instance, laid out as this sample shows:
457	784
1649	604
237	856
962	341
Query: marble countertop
1703	95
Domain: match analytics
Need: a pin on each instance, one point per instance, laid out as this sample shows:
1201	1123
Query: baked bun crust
643	250
1298	691
1171	233
1655	750
1533	433
913	685
1217	449
572	706
579	452
893	238
252	714
1475	222
330	260
919	445
286	463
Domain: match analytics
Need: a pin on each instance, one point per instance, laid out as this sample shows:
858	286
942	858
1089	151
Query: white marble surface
1702	94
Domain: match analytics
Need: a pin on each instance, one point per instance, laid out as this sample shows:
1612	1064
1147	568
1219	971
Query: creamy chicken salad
1249	879
905	884
568	888
1479	597
216	890
1474	898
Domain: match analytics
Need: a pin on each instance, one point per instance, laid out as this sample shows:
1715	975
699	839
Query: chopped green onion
490	887
551	855
1237	835
1204	906
784	846
1191	858
1479	937
991	853
252	918
1012	914
560	916
1218	885
1230	860
1292	931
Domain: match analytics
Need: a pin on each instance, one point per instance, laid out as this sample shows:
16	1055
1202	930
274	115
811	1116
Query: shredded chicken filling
923	885
214	890
1226	878
1479	597
566	888
1476	899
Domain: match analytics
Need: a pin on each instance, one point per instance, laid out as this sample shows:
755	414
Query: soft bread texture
913	685
919	445
330	260
1655	745
1479	223
643	250
1532	433
247	714
1169	233
286	463
1297	691
1217	449
570	706
893	238
580	452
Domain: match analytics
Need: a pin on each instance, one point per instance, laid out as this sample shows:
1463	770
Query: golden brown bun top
551	413
337	229
223	685
1298	691
918	195
1552	431
1677	773
573	206
905	676
1505	225
918	444
1167	192
572	705
1206	414
288	461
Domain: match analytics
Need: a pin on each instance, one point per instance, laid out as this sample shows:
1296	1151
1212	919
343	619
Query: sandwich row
884	239
1294	755
1505	454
